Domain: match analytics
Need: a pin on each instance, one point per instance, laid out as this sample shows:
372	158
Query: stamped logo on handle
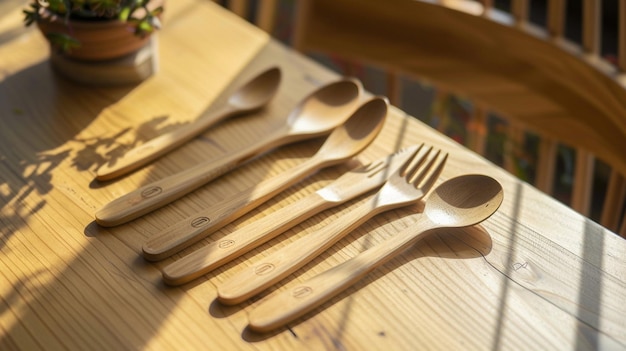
200	222
225	244
263	268
301	291
151	191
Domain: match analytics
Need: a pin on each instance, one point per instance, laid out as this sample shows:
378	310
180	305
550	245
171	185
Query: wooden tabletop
534	276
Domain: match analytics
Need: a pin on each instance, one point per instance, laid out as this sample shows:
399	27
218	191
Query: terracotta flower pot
99	40
106	51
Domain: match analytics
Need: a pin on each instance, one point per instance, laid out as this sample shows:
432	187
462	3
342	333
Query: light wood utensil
316	115
342	144
250	97
348	186
405	186
458	202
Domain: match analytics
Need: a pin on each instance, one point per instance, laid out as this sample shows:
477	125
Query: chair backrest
531	76
261	13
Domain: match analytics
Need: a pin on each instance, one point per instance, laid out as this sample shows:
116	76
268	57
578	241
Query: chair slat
515	139
302	18
477	130
394	88
622	36
614	201
546	165
583	180
239	7
487	4
591	26
519	10
556	18
266	15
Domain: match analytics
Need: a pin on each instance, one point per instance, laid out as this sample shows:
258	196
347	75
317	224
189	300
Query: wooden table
534	276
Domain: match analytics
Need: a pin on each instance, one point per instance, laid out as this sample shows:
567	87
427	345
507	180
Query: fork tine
419	171
429	175
414	161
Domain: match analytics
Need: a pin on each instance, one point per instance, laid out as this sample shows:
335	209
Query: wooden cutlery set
337	110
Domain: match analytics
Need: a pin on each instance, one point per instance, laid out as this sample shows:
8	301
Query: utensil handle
290	304
237	243
283	262
161	145
205	222
160	193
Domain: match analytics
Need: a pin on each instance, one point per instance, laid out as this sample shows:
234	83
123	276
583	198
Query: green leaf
157	11
63	42
145	26
124	14
30	17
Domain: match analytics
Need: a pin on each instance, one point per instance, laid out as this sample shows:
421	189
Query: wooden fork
406	186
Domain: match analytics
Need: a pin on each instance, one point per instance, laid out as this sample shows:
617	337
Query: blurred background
451	113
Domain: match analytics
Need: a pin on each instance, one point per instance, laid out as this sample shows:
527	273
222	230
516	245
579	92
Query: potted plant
99	42
84	32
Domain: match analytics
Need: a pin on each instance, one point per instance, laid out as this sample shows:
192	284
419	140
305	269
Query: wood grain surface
536	275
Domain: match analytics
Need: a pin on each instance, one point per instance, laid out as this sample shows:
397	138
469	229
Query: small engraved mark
200	222
263	268
301	291
224	244
517	266
151	191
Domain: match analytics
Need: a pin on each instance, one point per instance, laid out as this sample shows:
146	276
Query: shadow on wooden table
459	243
118	144
57	134
44	135
50	131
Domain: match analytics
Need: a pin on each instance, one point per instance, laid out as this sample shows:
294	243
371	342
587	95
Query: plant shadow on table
116	145
56	136
45	151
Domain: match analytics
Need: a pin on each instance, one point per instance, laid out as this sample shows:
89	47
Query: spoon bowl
459	202
257	92
316	115
253	95
464	201
357	132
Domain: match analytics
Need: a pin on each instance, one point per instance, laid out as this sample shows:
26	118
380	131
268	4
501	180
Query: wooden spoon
342	144
458	202
255	94
316	115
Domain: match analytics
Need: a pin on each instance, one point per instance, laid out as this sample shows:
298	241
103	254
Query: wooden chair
531	76
261	13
